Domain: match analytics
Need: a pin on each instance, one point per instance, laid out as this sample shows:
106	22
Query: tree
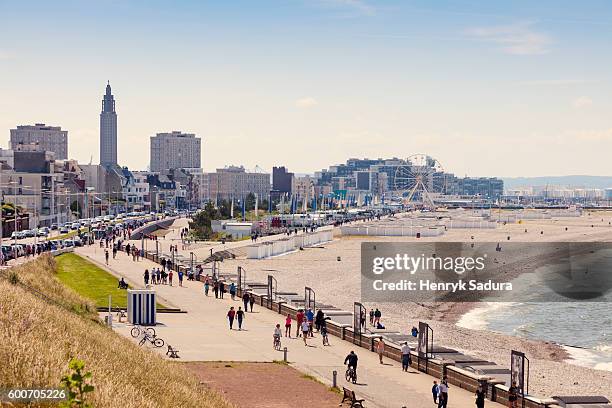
250	202
201	226
76	208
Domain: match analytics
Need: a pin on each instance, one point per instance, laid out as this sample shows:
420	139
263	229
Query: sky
488	88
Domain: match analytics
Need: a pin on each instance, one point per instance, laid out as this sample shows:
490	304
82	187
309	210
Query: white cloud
517	39
582	102
306	102
357	5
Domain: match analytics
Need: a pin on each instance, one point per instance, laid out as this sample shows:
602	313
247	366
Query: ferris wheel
418	178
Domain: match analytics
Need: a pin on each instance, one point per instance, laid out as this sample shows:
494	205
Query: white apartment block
175	150
235	183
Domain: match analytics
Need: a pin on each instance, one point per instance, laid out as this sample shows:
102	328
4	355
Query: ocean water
585	328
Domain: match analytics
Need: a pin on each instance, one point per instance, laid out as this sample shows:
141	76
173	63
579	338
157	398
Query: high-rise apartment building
41	137
175	150
108	130
236	183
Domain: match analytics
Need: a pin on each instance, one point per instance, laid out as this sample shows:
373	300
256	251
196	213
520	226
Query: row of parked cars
100	222
18	250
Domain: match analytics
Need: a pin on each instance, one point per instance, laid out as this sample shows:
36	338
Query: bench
349	396
172	352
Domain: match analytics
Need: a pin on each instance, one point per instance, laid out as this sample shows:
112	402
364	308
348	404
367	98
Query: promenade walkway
202	334
201	249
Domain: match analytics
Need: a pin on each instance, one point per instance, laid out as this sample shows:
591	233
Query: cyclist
277	335
351	361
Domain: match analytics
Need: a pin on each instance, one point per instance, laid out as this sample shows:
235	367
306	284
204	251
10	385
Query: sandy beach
338	283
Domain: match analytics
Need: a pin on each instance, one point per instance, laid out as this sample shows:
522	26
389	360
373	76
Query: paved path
203	334
201	249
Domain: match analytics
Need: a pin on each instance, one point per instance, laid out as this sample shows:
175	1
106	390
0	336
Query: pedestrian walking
380	349
232	291
230	317
406	358
216	289
240	316
371	317
319	319
288	326
251	301
435	391
106	256
310	319
170	277
513	395
146	277
180	276
377	316
300	319
305	330
245	300
480	397
206	287
163	264
443	393
221	289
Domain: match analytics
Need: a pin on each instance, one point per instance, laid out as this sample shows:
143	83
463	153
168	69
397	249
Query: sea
583	328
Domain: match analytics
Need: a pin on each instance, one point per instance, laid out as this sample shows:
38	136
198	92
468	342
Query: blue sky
489	88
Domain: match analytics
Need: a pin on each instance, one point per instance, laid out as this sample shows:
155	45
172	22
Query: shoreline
333	270
571	354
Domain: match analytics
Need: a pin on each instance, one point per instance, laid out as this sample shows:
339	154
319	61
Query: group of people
160	277
440	392
375	316
304	323
237	315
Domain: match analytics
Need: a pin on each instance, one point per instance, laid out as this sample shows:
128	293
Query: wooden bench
349	396
172	352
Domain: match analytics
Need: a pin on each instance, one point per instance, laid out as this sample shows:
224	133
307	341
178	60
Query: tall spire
108	129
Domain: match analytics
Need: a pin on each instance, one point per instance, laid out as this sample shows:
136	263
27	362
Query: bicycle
137	331
351	375
155	341
277	343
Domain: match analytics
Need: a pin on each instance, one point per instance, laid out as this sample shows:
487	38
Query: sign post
517	373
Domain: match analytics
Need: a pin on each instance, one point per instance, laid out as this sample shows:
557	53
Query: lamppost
192	257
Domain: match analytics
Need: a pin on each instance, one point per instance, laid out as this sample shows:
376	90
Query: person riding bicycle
277	334
351	359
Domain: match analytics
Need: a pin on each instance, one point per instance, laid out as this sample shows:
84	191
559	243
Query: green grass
90	281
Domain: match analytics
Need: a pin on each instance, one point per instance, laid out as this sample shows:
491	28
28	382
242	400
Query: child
434	391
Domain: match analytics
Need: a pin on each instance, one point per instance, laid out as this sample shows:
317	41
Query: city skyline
488	89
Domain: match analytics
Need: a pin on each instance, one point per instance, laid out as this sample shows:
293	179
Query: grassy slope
90	281
37	339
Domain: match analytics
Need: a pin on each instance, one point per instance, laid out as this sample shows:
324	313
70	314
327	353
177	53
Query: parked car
42	233
68	243
53	226
64	230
